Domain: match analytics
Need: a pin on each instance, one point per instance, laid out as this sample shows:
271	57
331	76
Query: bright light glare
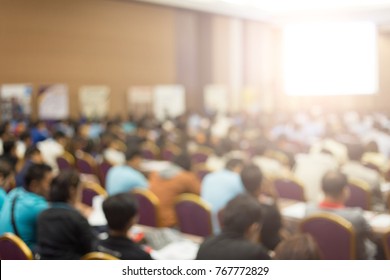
330	59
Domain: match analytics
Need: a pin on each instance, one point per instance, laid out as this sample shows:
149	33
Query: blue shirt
3	194
218	188
122	179
27	208
19	178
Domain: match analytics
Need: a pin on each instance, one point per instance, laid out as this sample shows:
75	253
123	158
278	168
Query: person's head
34	154
60	137
260	148
38	179
9	147
121	212
298	247
252	178
372	147
355	152
7	179
242	215
234	165
184	161
133	157
65	187
26	138
334	186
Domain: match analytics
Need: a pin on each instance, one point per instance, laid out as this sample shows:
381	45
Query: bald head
334	183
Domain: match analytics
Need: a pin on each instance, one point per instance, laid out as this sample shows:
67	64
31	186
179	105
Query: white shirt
50	150
114	157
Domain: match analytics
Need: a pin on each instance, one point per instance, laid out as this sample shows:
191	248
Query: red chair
89	191
65	161
334	235
201	170
360	194
290	188
150	151
193	215
103	169
86	165
170	152
13	248
386	244
201	155
148	205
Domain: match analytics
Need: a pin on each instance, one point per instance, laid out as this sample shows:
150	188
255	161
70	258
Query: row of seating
360	194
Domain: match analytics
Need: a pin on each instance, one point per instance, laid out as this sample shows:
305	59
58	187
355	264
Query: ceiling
285	11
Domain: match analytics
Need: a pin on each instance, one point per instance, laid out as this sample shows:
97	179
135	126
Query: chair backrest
99	256
386	244
334	235
150	151
201	170
290	188
148	207
104	167
90	190
85	163
193	215
13	248
170	152
360	194
372	166
201	154
65	161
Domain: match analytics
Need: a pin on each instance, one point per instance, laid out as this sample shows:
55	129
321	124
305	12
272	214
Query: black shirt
122	248
63	233
231	246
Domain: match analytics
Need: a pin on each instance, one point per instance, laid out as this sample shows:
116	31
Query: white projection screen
330	59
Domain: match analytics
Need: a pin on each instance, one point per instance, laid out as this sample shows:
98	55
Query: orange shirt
167	190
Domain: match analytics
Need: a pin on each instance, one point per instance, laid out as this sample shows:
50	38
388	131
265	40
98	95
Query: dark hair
298	247
58	135
233	163
36	172
25	135
8	146
355	151
5	168
132	153
333	183
251	178
184	161
240	213
119	210
62	184
31	151
260	148
372	147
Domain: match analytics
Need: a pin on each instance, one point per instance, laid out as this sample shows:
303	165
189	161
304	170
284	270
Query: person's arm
192	183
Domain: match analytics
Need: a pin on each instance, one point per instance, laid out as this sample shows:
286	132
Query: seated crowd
42	204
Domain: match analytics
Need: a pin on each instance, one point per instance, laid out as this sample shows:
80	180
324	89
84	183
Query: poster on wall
216	99
94	101
140	100
15	101
168	101
53	102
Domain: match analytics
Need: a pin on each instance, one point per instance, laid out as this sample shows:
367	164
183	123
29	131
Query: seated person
219	187
355	169
22	206
298	247
62	232
32	156
240	235
252	178
171	182
9	153
6	180
334	186
125	178
121	212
